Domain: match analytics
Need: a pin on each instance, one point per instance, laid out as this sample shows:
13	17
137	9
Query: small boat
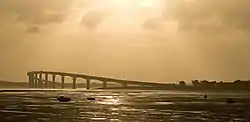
230	100
63	99
90	98
205	96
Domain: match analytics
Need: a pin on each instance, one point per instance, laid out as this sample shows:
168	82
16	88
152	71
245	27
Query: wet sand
122	106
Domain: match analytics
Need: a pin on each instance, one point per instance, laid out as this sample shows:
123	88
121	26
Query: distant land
195	86
9	84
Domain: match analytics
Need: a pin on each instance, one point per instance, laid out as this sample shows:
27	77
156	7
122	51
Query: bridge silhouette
40	79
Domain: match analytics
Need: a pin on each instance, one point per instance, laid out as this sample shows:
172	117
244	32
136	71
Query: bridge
41	79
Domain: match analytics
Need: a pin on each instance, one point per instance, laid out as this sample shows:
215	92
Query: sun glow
113	3
148	3
129	4
121	15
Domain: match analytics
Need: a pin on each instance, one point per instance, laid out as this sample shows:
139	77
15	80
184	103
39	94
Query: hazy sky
153	40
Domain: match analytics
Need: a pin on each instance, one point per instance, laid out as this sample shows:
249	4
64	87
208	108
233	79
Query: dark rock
63	99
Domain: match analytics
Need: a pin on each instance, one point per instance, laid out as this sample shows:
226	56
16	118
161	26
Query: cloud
153	24
36	11
33	29
57	18
217	32
42	18
211	40
92	19
209	14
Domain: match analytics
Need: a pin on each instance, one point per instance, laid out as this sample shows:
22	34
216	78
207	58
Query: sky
151	40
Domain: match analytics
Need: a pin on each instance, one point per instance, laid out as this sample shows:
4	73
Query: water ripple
125	106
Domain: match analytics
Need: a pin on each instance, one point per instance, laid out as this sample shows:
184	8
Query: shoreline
124	89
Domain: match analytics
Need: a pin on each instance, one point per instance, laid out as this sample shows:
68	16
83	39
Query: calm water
123	106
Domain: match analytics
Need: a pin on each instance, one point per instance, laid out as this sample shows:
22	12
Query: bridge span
41	79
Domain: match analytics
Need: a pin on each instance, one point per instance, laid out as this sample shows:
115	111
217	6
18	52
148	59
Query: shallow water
122	106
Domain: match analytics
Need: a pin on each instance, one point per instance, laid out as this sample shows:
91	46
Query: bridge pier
35	81
31	80
74	83
104	84
53	81
88	83
63	78
40	82
46	80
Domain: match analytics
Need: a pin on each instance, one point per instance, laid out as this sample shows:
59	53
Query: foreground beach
123	105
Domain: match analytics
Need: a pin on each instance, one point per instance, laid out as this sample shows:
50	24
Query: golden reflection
110	101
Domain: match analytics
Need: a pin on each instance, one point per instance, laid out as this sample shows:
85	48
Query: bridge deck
103	79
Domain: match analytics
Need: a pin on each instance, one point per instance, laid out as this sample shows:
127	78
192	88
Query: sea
33	105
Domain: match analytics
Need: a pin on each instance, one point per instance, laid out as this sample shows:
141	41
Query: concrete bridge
40	79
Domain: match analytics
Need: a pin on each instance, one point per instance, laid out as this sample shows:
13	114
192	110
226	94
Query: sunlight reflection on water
111	101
